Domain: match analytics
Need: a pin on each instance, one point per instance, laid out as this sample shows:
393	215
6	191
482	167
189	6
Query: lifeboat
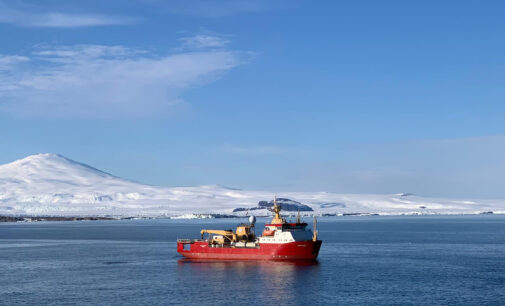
268	233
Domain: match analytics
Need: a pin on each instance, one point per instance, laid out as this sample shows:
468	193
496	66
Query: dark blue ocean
406	260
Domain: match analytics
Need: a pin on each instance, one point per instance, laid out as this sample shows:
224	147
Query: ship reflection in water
274	282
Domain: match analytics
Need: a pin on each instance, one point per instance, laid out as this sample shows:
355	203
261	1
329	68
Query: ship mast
314	237
277	217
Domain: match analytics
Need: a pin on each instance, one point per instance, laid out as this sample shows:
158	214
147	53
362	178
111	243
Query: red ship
280	240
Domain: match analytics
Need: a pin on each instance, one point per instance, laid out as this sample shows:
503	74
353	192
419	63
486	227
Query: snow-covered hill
52	185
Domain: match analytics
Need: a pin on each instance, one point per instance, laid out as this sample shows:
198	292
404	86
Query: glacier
49	184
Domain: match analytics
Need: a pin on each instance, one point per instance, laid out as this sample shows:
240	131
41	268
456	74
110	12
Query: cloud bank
98	81
35	17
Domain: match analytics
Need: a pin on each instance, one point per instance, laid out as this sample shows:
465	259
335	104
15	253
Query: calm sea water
363	260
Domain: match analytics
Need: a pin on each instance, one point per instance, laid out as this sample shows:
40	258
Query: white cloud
204	41
31	18
96	81
9	61
62	20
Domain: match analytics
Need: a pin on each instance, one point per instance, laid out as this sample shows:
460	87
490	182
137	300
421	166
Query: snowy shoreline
27	218
45	185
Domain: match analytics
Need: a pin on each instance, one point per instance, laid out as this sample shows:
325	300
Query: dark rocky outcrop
284	203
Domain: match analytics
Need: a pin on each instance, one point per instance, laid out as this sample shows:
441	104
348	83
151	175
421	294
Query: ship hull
298	250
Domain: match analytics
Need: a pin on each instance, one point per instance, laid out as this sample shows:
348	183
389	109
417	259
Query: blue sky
342	96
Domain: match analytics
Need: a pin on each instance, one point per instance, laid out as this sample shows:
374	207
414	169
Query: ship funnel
252	220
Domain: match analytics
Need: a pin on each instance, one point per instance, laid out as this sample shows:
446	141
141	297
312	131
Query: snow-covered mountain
52	185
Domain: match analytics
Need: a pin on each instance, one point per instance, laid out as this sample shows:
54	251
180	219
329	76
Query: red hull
298	250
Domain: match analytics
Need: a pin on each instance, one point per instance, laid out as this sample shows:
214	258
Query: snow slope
52	185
